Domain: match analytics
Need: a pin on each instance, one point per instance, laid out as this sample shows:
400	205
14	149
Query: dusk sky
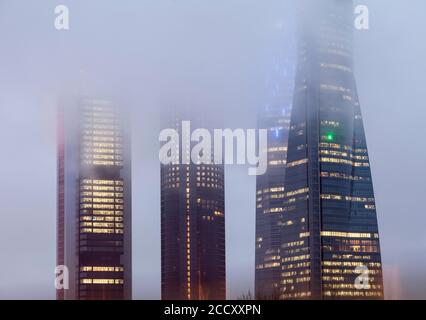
213	55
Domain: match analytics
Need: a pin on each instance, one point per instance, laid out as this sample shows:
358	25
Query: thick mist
213	56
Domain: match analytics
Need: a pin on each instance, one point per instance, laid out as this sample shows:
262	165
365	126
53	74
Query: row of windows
339	175
101	218
343	154
328	145
101	269
104	150
348	234
101	200
102	182
101	194
102	224
344	161
101	230
89	144
86	139
101	206
103	212
346	198
102	281
86	156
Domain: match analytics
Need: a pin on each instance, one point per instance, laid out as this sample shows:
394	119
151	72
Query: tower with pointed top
329	232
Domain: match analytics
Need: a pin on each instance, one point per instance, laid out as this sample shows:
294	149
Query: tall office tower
329	228
192	224
275	117
94	201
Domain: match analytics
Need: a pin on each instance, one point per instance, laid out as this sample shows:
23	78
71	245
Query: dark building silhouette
94	200
192	225
329	225
274	117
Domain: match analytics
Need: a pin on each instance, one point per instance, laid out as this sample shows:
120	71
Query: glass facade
274	117
330	242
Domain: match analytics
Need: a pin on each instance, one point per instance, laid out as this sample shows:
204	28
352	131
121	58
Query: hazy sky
215	55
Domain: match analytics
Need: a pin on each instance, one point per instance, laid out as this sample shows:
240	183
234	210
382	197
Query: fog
215	56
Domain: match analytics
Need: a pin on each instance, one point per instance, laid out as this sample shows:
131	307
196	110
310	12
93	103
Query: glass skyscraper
192	225
274	117
330	241
94	200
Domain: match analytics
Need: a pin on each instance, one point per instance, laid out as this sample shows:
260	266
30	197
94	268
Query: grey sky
214	55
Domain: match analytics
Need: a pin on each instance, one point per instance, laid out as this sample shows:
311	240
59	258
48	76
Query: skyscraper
192	226
275	117
94	200
330	240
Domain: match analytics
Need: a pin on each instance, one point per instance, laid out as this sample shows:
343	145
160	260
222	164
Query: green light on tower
330	136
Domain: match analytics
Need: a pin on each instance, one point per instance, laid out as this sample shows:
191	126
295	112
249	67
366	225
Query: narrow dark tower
329	227
192	226
94	201
274	117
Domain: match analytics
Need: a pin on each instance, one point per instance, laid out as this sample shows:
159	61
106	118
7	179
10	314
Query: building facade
330	240
192	225
275	117
94	201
